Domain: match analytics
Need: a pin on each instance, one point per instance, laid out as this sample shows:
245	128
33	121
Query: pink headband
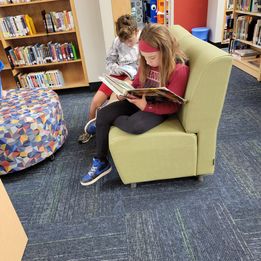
147	48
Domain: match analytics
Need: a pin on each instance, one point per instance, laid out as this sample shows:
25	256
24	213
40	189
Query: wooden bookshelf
226	31
39	35
251	66
74	71
7	78
27	3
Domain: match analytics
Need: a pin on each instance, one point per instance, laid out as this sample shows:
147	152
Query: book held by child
123	88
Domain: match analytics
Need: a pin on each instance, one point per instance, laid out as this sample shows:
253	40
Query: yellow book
26	18
30	24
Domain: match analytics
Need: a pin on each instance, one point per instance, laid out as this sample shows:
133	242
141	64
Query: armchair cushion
163	152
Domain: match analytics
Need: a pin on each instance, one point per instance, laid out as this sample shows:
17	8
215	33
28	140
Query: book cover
246	52
122	88
44	20
128	70
17	81
9	57
74	52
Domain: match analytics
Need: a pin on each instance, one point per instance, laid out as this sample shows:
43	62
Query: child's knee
137	129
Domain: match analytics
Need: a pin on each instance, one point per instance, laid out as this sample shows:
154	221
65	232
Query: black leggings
127	117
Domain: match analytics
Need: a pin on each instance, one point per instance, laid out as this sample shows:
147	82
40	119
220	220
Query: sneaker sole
85	141
97	178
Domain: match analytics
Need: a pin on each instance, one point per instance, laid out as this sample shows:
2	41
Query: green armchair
183	145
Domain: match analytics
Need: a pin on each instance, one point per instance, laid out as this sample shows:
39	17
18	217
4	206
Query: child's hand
120	97
139	102
130	96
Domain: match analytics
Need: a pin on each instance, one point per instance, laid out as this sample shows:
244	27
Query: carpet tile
170	220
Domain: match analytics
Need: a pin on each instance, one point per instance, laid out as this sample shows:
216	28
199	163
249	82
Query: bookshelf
228	22
66	36
7	78
246	32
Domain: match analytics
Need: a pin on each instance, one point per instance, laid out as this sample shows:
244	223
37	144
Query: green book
74	52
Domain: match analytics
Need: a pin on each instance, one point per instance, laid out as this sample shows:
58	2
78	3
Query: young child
162	63
123	53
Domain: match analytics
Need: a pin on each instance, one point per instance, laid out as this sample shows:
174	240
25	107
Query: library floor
219	219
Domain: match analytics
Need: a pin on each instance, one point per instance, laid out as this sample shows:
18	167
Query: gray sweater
120	55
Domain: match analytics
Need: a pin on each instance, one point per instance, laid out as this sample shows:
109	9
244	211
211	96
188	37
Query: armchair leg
133	185
200	178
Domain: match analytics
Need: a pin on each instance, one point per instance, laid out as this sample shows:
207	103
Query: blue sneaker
97	171
90	127
89	131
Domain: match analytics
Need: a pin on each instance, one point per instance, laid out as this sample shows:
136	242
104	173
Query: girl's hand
120	97
139	102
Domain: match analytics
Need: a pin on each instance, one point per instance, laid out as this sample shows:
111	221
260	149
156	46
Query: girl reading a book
162	63
121	62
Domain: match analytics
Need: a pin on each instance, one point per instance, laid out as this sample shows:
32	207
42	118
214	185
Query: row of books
227	34
249	5
229	4
22	25
241	51
47	79
236	45
40	54
19	25
229	21
58	21
245	54
3	2
248	28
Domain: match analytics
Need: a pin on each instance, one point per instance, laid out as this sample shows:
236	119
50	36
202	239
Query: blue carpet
219	219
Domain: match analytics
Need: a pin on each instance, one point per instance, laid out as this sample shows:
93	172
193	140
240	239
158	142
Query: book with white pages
122	88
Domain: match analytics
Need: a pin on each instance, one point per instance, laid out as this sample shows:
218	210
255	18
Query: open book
123	88
130	71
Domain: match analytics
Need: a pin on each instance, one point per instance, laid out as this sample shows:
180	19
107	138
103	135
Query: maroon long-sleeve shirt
177	83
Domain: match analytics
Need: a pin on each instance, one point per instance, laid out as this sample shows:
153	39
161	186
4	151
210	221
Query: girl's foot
98	170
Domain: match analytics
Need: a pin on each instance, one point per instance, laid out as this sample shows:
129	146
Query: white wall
215	19
97	31
107	23
91	31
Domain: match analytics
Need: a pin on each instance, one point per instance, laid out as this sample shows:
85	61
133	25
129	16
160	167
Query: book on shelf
254	6
258	5
40	54
47	79
249	5
257	33
10	56
246	52
18	84
15	26
123	88
130	71
4	2
58	21
30	24
229	4
244	58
